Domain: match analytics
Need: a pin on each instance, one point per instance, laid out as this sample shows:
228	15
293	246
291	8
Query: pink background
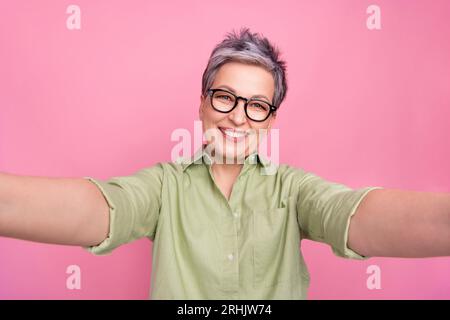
364	108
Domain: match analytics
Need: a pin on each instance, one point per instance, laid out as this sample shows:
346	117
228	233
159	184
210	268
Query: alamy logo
73	21
216	140
373	21
374	280
73	281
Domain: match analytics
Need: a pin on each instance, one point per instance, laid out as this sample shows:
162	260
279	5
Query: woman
228	229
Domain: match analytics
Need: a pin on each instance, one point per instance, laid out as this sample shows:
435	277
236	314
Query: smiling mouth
233	135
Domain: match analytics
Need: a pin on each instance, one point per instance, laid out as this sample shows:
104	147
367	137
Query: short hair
250	48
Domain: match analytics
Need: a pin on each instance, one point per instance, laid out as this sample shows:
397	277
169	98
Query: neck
226	170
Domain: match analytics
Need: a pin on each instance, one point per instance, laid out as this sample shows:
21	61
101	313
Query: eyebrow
234	91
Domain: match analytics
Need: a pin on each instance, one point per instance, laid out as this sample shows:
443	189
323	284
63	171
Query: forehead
245	79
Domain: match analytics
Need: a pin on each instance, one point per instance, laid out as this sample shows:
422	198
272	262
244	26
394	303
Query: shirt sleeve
324	209
134	204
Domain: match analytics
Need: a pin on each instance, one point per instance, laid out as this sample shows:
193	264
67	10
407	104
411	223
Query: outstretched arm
52	210
400	223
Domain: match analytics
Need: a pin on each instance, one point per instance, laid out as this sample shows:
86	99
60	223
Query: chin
226	154
229	150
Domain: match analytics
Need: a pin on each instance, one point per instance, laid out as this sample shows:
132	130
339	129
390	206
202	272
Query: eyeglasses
255	109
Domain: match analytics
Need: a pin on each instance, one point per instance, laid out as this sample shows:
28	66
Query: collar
202	156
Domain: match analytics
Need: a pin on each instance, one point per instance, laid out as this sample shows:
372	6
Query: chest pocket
276	247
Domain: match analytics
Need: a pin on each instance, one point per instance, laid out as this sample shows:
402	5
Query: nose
238	114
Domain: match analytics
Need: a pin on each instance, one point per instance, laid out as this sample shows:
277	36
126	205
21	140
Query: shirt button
230	257
236	214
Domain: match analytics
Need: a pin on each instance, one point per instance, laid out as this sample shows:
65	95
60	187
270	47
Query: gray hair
251	48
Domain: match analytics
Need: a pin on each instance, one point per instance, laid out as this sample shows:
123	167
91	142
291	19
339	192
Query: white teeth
234	134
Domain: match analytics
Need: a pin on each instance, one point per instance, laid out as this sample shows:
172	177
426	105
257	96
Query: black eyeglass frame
236	102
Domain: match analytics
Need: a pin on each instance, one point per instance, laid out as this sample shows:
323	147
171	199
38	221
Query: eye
259	106
224	97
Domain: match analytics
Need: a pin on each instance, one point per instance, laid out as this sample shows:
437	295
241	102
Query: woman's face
246	81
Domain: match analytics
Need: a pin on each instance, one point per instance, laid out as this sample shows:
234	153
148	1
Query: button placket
237	220
230	278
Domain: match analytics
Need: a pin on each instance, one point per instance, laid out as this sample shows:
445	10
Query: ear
271	121
200	109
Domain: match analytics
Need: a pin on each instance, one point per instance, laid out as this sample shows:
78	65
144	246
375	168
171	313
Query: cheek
213	117
259	126
260	130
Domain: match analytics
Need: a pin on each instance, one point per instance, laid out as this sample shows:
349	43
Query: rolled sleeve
134	204
324	211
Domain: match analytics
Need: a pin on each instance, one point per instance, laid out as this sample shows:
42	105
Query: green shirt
247	247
